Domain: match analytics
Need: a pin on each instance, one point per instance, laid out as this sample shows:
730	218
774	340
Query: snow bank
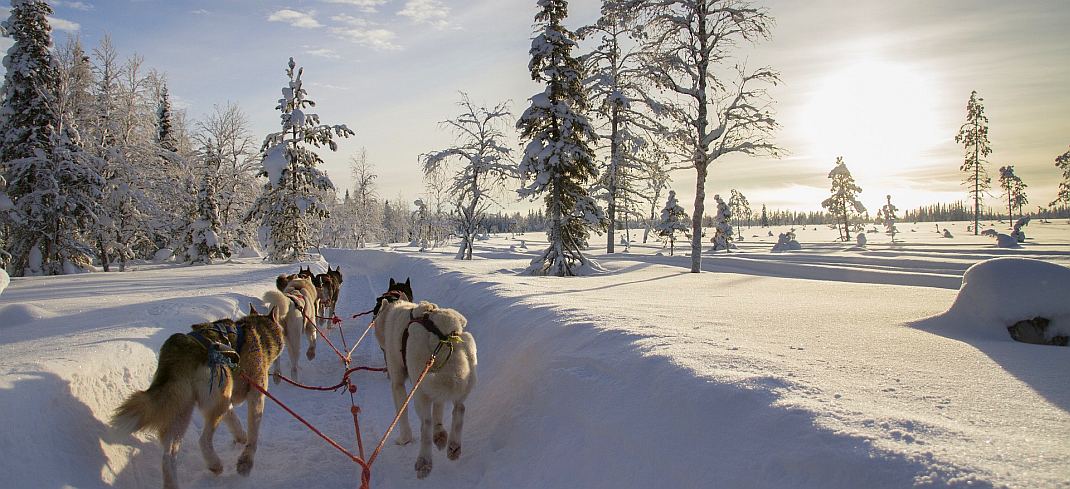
999	292
4	280
18	314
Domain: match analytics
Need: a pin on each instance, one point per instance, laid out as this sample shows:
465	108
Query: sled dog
327	287
196	369
300	317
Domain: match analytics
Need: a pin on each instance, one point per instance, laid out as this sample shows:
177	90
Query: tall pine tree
973	136
53	187
558	161
1062	162
290	200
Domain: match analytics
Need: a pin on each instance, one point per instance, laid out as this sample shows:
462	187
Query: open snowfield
826	367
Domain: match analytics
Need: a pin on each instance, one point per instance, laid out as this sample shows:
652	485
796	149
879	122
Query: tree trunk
696	220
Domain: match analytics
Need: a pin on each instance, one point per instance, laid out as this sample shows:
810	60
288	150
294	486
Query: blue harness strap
221	354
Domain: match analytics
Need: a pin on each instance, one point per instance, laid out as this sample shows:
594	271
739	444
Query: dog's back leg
234	425
256	412
440	432
423	411
457	424
171	440
216	406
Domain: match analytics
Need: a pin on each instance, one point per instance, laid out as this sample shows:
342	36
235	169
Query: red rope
359	340
379	448
345	379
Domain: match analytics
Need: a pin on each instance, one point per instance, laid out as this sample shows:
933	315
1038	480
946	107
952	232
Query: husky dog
395	291
429	330
283	280
297	319
326	290
191	373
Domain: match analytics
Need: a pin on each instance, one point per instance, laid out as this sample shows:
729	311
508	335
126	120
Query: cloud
323	52
368	6
430	12
199	11
364	32
375	38
85	7
63	24
295	18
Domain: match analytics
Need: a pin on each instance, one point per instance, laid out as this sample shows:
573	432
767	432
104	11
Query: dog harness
222	352
443	338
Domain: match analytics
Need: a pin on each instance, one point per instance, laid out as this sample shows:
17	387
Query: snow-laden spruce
722	226
484	164
843	200
673	220
558	161
53	186
291	202
717	105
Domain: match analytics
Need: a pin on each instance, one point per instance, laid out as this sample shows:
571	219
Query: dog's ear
273	314
252	309
406	280
392	283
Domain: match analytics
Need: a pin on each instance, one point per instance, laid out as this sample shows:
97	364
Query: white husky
411	333
299	318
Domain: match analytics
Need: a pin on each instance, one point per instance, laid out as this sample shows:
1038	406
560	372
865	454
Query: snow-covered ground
827	367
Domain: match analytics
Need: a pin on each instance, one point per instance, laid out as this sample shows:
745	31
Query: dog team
212	368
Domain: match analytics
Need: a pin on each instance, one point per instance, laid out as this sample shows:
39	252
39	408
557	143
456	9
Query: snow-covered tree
76	89
655	178
886	215
973	135
843	200
1013	190
558	162
722	225
1062	162
52	186
208	243
290	201
673	220
483	164
367	211
764	220
718	106
27	122
165	132
740	208
618	87
234	164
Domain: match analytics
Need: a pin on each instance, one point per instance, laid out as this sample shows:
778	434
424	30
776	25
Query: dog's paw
275	377
440	437
310	354
423	467
245	464
403	439
216	467
454	452
240	439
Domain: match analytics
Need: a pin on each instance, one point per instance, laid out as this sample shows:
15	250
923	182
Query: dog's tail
278	301
155	409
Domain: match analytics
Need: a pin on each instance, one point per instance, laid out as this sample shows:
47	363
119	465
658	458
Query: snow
820	368
5	280
275	161
163	255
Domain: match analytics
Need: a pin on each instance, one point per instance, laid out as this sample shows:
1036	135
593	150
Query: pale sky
882	83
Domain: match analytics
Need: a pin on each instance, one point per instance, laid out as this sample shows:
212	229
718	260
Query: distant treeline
534	221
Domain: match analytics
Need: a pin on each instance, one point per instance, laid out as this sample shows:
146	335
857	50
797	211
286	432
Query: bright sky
883	84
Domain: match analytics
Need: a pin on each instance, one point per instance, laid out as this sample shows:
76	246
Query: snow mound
163	255
18	314
5	280
249	252
999	292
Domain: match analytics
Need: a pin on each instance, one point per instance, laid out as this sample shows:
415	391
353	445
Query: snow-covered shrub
861	239
722	238
786	242
1018	233
947	233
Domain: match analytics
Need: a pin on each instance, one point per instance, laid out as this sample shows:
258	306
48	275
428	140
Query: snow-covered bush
786	242
861	239
673	220
1018	234
722	237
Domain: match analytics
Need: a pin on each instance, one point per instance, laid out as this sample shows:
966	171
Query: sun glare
880	116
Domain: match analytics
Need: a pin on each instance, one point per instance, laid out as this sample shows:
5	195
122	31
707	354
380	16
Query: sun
880	116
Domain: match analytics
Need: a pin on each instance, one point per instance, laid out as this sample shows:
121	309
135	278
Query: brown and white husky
190	373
